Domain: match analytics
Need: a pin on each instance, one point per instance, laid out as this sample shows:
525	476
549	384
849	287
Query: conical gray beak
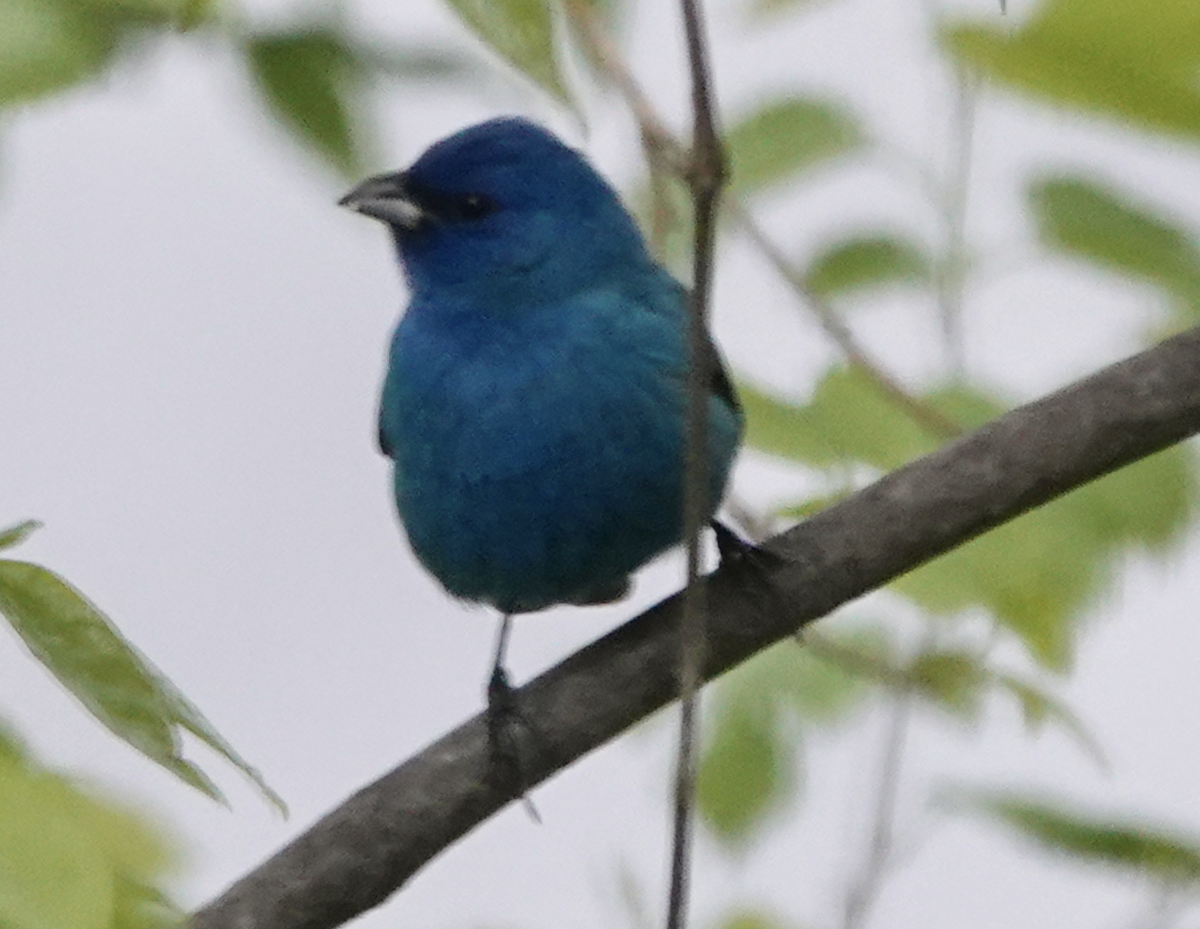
385	197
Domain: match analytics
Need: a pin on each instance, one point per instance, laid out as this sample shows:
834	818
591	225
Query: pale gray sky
193	338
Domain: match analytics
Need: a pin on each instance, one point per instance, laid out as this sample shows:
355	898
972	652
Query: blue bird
535	396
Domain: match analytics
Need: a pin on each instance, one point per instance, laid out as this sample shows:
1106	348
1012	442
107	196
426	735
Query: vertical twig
865	890
706	176
954	215
664	152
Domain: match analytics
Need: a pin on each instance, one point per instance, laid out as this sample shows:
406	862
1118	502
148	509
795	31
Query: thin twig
706	176
665	151
865	890
660	142
954	217
851	660
841	336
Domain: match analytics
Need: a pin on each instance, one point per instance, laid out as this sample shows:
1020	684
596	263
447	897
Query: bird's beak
385	197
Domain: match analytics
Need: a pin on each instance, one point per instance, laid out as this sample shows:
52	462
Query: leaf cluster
71	859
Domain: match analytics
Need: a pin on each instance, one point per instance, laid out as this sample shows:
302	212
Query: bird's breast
534	462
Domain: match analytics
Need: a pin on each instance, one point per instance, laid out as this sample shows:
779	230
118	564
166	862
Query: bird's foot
752	563
509	730
734	550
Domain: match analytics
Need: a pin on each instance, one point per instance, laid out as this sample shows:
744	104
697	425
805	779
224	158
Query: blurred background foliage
70	859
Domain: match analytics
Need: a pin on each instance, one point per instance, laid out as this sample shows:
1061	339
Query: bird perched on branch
535	398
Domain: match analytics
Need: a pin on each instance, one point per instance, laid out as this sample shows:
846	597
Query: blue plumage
535	394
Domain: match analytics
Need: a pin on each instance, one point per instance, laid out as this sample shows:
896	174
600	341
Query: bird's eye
476	206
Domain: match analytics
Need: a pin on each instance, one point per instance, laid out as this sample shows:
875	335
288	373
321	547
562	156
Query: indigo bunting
535	396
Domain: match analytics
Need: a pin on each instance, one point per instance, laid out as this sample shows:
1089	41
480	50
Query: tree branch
363	851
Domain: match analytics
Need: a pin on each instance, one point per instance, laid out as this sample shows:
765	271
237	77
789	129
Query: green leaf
1095	840
803	509
194	13
181	13
784	137
784	429
970	407
522	33
749	762
1148	503
809	681
68	860
743	774
750	919
765	8
1034	575
141	906
953	679
15	535
826	688
1037	573
771	145
46	46
866	261
1130	60
12	749
117	685
1040	708
1095	222
309	79
848	420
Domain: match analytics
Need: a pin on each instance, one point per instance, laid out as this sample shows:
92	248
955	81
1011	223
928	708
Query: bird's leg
504	724
499	691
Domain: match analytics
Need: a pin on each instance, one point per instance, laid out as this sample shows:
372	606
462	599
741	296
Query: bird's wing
719	383
718	377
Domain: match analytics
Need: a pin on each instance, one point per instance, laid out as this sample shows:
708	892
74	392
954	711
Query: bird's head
502	208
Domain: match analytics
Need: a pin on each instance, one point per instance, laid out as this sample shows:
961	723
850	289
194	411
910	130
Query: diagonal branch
363	851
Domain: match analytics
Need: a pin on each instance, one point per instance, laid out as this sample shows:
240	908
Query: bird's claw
733	549
752	562
505	725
